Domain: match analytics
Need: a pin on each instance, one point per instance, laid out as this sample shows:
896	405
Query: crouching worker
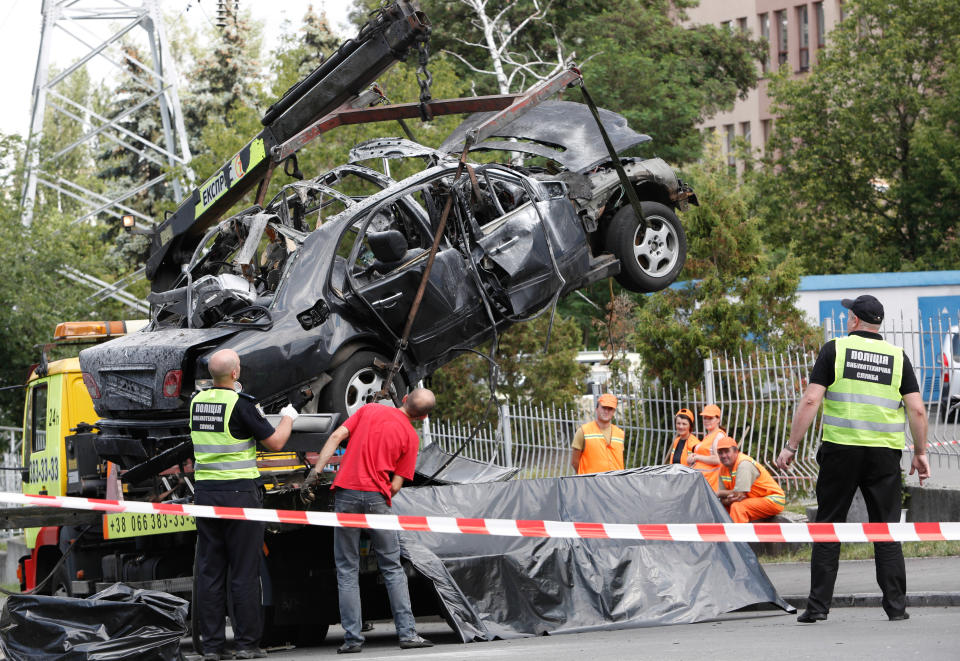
748	491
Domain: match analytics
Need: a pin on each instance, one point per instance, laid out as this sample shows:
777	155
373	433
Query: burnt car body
313	290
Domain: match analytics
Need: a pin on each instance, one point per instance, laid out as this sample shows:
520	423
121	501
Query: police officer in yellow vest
225	427
598	445
868	389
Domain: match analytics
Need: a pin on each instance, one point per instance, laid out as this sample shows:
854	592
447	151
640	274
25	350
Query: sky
21	21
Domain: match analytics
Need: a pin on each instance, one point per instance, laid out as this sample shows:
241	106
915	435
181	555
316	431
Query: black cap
866	307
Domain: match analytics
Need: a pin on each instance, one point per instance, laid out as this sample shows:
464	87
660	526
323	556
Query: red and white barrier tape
668	532
935	444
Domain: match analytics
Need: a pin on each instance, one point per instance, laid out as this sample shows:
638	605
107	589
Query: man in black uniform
225	426
869	390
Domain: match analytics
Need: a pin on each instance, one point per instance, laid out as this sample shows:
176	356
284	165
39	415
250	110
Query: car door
450	312
515	243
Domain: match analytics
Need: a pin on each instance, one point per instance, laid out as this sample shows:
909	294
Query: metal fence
758	394
10	438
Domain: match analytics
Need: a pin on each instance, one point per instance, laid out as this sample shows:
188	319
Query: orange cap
711	410
687	413
726	442
606	399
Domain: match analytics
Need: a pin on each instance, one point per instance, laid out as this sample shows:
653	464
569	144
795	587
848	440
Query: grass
864	551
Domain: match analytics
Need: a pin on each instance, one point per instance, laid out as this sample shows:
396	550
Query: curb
867	600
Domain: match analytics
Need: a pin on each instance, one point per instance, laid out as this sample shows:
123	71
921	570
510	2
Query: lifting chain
424	79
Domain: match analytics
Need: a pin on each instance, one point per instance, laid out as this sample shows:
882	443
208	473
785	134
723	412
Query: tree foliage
527	374
34	296
664	77
735	298
864	170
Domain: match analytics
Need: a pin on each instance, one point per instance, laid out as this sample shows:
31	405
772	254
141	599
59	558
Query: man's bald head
419	402
222	365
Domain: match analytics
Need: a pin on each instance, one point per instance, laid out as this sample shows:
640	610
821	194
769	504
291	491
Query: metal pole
507	435
708	388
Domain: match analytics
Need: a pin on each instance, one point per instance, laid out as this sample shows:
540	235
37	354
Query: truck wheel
353	382
653	261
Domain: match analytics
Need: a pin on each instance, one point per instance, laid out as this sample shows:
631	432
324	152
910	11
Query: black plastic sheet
509	587
436	465
116	623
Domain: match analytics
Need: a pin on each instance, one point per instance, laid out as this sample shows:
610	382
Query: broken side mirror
314	316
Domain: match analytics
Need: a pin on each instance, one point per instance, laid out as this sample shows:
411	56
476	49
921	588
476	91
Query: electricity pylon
94	31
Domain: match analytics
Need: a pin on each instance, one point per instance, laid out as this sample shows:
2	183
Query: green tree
864	160
34	295
735	298
664	77
225	81
527	374
638	58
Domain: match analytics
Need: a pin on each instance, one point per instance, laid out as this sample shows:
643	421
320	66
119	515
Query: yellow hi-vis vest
863	406
597	456
218	455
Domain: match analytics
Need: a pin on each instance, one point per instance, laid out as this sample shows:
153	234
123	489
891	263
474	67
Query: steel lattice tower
73	23
96	29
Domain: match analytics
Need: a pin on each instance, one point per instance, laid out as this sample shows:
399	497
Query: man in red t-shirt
381	454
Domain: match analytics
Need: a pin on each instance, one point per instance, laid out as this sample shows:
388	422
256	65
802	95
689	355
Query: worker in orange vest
748	491
704	457
685	440
598	445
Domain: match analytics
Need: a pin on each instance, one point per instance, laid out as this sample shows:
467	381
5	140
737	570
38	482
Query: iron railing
758	394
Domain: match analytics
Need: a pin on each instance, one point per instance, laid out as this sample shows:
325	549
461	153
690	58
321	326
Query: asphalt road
853	634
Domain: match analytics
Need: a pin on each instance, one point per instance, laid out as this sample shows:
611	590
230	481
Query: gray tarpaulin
509	587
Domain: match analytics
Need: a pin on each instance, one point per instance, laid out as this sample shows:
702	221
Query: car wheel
354	382
653	261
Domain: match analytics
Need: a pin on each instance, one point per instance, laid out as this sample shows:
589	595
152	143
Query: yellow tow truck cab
57	405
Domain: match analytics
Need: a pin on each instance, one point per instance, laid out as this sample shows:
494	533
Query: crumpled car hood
562	131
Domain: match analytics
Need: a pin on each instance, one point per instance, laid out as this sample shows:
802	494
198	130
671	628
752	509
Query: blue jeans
346	552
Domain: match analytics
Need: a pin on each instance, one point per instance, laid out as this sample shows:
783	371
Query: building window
745	132
765	33
841	10
727	25
782	42
821	25
742	24
765	127
804	24
730	136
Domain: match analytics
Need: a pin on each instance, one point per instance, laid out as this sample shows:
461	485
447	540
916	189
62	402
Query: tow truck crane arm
337	82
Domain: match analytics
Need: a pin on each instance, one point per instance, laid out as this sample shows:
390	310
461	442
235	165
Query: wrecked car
314	289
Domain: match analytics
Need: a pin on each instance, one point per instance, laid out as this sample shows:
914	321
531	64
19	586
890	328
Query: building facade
795	31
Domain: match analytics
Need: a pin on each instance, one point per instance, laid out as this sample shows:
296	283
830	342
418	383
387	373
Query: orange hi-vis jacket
763	487
688	447
705	448
597	456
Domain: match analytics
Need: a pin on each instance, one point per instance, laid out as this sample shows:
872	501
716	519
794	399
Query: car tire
352	382
651	262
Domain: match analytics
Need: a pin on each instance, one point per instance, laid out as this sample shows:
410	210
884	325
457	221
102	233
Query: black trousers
876	471
228	548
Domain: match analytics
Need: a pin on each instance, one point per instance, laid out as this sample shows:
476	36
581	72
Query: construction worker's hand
691	459
921	465
290	412
787	455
